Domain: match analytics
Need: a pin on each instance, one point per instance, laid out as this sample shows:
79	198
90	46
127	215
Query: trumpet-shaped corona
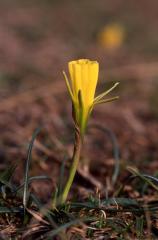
82	87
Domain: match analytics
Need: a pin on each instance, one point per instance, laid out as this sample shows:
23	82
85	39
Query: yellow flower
84	78
112	36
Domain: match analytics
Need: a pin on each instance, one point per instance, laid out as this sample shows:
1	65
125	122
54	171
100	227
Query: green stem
75	160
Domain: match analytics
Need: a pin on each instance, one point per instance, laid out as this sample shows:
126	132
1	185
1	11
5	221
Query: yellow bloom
84	77
112	36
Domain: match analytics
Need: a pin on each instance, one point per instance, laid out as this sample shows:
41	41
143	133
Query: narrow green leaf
10	210
80	100
7	174
67	225
68	86
139	226
106	100
26	178
136	173
61	177
116	150
153	179
98	98
35	178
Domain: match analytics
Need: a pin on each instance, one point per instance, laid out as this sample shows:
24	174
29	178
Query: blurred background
38	38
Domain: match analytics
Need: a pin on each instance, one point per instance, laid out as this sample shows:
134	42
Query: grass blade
26	178
61	177
31	179
10	210
145	178
7	174
61	228
116	150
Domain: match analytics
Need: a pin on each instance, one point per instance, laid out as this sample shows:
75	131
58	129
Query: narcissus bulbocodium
82	86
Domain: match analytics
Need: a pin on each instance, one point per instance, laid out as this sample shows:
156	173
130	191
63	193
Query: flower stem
75	160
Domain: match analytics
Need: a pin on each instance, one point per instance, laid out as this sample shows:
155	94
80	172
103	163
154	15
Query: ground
37	39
